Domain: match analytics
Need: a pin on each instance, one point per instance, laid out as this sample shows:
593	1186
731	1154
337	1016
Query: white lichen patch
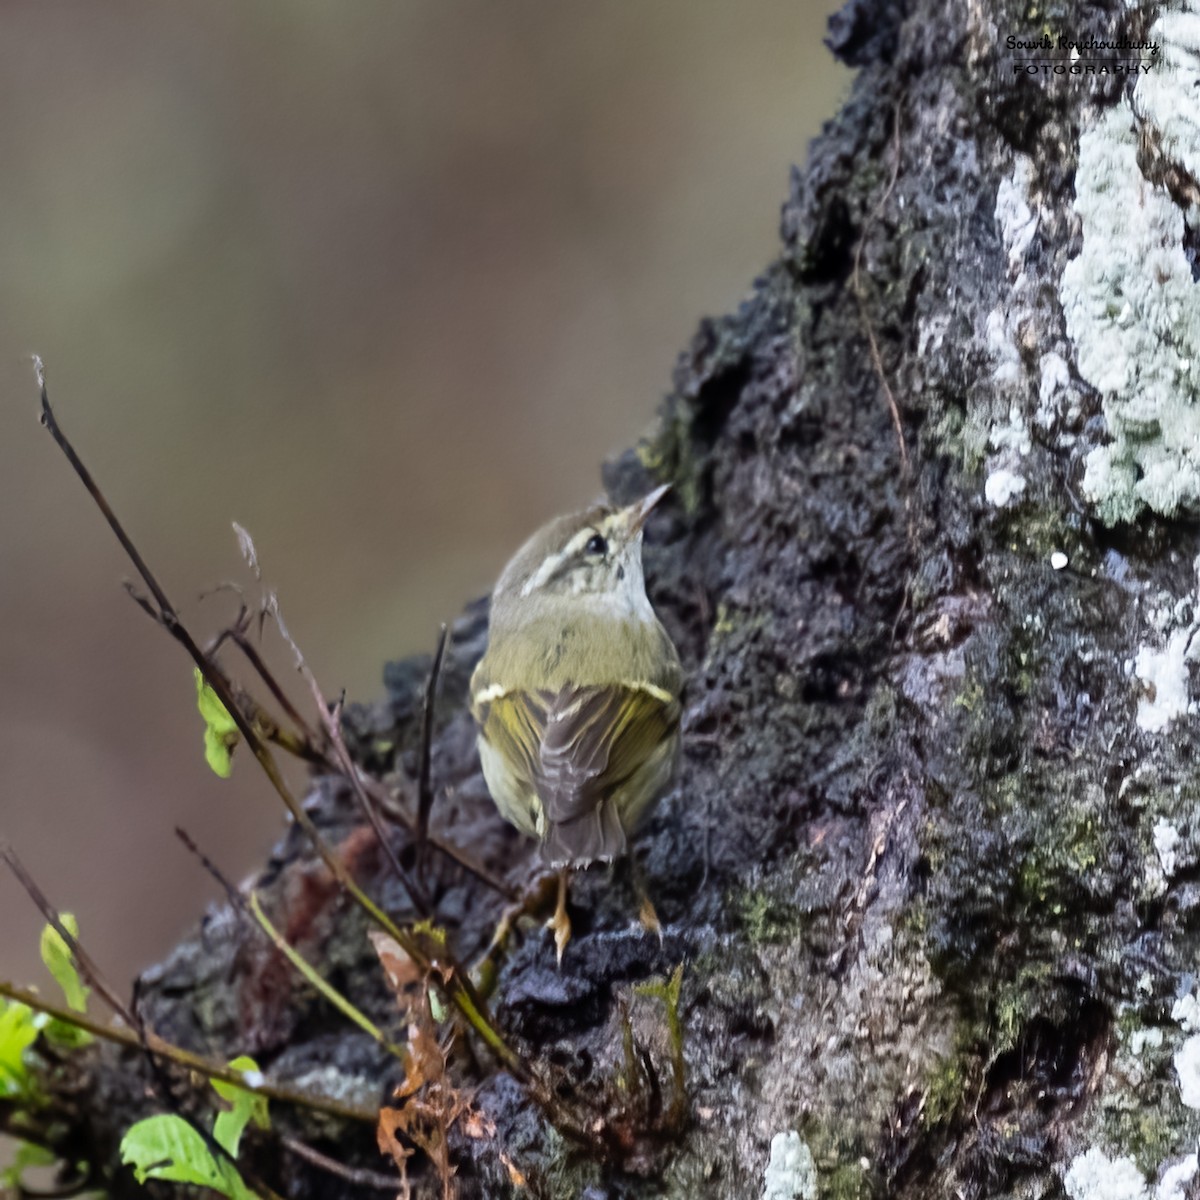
1164	677
1159	92
1012	436
1166	843
1187	1067
1174	1181
1131	305
1003	487
791	1173
1186	1011
1147	1038
1013	332
1002	345
1094	1176
329	1081
1018	223
1055	395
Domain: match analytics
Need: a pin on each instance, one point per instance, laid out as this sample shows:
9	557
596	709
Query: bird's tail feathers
595	835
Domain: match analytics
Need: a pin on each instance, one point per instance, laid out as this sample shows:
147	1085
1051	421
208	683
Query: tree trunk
932	865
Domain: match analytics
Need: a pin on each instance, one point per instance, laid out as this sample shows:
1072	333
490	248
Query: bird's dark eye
596	545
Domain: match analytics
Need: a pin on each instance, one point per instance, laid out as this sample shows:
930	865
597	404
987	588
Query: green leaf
64	1034
167	1147
220	729
18	1031
57	957
437	1010
435	933
247	1107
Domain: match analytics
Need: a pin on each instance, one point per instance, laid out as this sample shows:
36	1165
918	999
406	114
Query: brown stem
331	723
425	770
355	1176
209	1068
248	648
87	966
388	803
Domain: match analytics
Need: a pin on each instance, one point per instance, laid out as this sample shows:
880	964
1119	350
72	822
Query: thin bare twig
425	770
331	723
389	804
303	742
208	1067
355	1176
85	477
169	620
87	966
381	799
299	745
248	648
237	633
380	796
236	900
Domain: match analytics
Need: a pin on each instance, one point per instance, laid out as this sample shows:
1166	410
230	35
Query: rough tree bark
933	863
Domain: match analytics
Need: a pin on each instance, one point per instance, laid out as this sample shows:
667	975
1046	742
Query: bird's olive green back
575	753
544	647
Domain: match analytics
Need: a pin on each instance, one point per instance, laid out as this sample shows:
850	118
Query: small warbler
577	697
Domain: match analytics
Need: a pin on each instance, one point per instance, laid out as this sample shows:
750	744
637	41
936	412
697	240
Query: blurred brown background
383	282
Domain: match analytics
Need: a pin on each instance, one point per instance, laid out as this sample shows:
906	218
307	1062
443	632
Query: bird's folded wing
576	746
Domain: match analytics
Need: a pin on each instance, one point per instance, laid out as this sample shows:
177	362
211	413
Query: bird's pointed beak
639	510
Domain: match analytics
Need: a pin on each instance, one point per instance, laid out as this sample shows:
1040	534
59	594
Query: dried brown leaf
429	1102
401	972
478	1125
393	1121
515	1174
427	1063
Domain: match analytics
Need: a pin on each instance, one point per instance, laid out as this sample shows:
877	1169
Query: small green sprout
56	954
220	730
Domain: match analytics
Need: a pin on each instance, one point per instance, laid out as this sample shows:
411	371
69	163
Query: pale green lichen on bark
791	1173
1131	304
765	918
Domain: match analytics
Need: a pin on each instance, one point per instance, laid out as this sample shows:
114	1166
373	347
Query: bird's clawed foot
647	914
537	896
560	923
649	917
